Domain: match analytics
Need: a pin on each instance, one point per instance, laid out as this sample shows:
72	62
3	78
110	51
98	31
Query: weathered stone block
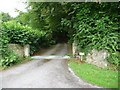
74	48
21	51
17	49
95	57
26	50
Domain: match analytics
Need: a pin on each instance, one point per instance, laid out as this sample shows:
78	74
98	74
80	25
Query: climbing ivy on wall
96	26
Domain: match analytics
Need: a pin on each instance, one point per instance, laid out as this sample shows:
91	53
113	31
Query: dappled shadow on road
41	63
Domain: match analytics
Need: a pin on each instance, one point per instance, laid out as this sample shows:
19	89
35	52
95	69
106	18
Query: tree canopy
5	17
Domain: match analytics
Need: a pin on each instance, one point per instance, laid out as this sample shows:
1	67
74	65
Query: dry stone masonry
20	50
95	57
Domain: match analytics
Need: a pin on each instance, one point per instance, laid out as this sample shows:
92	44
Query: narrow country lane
42	73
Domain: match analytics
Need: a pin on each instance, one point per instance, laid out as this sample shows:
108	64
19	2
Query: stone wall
74	48
27	50
95	57
20	50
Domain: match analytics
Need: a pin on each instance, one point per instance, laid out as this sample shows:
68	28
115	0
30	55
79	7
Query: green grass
98	76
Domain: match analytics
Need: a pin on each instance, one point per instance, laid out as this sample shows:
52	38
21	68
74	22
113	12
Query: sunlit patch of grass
95	75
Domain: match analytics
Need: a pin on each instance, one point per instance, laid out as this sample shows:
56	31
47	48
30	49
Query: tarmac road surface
43	73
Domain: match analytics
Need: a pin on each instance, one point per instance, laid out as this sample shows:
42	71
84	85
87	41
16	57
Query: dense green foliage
25	35
7	57
4	17
102	77
22	18
13	32
46	16
96	26
90	25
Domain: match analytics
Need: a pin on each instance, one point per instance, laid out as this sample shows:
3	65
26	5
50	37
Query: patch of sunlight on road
50	57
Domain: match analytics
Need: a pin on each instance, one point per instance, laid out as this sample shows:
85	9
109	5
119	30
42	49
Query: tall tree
47	16
5	17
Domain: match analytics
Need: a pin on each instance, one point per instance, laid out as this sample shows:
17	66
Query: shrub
12	32
8	59
114	58
20	34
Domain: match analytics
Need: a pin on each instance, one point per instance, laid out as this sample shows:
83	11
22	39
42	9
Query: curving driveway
43	73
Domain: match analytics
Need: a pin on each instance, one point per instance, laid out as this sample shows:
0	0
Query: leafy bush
9	58
114	58
101	36
12	32
20	34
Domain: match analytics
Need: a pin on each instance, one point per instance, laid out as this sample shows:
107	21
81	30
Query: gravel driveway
43	73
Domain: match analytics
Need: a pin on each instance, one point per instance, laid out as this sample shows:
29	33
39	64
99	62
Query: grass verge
95	75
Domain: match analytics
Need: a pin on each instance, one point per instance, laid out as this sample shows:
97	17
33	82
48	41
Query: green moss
95	75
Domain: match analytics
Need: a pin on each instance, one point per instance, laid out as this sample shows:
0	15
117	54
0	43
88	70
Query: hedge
13	32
